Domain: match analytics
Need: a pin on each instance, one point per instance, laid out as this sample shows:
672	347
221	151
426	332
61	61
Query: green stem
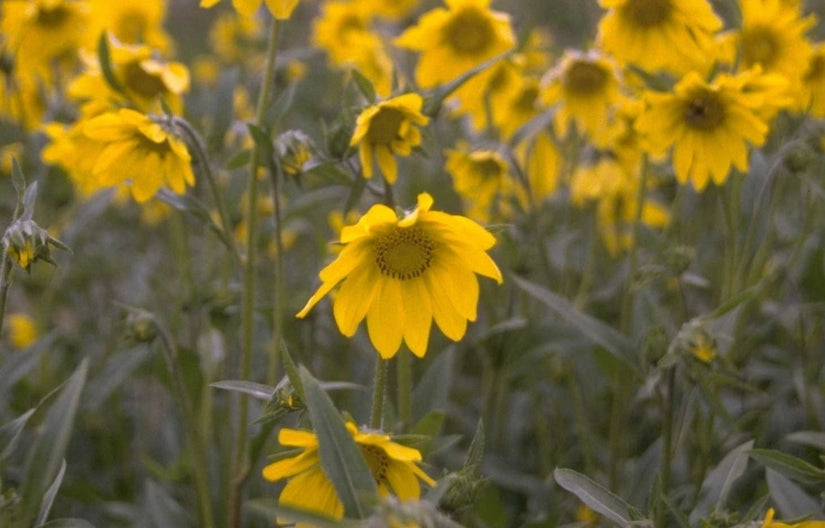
5	282
378	390
200	461
629	288
667	443
241	463
277	323
403	380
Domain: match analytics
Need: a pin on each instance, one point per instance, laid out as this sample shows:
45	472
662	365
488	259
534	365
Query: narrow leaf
241	159
809	438
341	459
433	102
18	179
596	331
364	85
10	434
594	495
48	497
791	501
256	390
262	139
105	60
29	199
292	372
788	465
718	483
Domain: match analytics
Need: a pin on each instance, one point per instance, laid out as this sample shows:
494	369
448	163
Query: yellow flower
129	148
709	126
456	39
233	37
540	160
402	274
483	179
393	466
671	35
812	99
773	36
130	22
280	9
770	523
601	180
23	331
393	9
145	79
585	86
387	128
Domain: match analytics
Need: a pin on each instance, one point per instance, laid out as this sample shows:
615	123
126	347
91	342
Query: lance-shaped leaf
792	467
595	496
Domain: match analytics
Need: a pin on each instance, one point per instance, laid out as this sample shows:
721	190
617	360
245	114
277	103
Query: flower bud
294	149
26	243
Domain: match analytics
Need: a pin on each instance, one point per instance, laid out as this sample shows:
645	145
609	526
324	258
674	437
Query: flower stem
629	289
403	380
241	463
277	323
667	443
378	390
5	282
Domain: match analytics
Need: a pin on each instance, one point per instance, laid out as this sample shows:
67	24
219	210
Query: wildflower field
412	263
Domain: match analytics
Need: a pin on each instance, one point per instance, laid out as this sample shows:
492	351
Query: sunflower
670	35
482	178
280	9
585	86
402	274
130	22
393	466
456	39
709	126
387	128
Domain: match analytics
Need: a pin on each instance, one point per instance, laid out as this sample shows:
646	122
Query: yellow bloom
540	160
770	523
483	179
603	179
393	466
393	9
130	22
456	39
709	126
671	35
23	331
387	128
585	86
129	148
233	38
280	9
145	79
402	274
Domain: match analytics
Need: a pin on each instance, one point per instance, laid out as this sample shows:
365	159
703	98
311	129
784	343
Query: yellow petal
446	317
385	318
418	314
355	297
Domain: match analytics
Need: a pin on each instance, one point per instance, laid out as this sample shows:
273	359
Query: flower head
130	21
393	466
23	331
402	274
709	126
387	128
671	35
482	178
456	39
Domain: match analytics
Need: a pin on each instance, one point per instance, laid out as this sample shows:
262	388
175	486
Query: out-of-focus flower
145	80
585	86
455	40
540	161
402	274
130	22
482	178
280	9
294	150
388	128
709	126
670	35
393	9
232	37
770	523
393	466
22	330
812	99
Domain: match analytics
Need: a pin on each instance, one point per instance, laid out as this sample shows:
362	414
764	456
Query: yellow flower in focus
770	523
22	330
456	39
402	274
145	79
483	179
130	22
585	87
709	126
812	99
280	9
388	128
393	466
131	149
670	35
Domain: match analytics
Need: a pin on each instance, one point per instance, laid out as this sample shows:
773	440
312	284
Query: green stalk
629	291
241	463
5	282
378	390
403	380
667	444
277	323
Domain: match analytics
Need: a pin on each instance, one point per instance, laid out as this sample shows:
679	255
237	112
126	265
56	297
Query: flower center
404	253
647	13
526	100
704	110
760	46
384	125
487	168
584	77
468	32
142	83
131	27
377	460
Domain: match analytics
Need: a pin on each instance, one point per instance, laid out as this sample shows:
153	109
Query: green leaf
262	139
241	159
595	496
273	510
596	331
432	393
788	465
329	171
116	371
292	372
433	102
10	434
48	497
256	390
67	523
163	511
717	484
29	199
341	459
49	447
105	60
364	85
791	501
18	179
809	438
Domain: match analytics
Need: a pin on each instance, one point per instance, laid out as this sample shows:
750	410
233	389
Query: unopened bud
26	243
294	149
